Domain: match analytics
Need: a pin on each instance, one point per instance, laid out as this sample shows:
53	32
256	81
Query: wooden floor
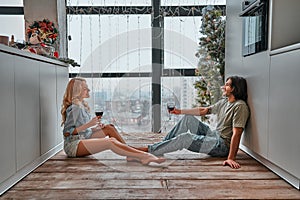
108	176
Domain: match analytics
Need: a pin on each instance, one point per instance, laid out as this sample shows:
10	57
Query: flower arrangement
42	36
45	30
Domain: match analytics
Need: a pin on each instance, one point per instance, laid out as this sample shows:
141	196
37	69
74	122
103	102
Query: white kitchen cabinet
284	112
7	118
27	104
31	89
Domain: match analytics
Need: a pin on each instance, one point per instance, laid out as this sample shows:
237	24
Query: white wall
272	135
285	25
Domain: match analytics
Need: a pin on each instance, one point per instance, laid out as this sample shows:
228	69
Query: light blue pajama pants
191	134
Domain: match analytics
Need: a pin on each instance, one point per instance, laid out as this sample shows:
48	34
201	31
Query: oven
255	26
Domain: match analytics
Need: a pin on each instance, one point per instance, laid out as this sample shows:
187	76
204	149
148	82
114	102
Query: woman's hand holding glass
99	114
96	124
94	121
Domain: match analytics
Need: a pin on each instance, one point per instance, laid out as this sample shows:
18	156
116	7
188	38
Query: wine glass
99	113
171	107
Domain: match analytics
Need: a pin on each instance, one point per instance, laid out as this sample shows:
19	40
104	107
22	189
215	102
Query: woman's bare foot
152	158
132	159
147	160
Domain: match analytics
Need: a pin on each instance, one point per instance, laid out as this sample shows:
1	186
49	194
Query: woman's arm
199	111
93	122
234	147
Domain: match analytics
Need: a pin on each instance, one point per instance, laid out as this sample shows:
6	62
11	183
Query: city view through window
104	44
122	43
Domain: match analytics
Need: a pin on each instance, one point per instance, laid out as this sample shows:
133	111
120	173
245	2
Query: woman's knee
82	149
109	127
112	141
106	127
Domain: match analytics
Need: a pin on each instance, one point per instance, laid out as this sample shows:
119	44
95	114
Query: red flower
45	29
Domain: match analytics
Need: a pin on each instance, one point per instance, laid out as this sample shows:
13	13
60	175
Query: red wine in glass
170	106
99	113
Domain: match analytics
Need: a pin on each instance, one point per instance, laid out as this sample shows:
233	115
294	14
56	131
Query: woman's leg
141	148
108	130
91	146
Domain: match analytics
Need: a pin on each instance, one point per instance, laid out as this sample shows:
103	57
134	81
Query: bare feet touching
147	159
132	159
152	158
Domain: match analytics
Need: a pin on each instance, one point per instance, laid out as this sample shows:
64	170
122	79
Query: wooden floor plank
137	168
121	165
154	175
150	184
134	193
108	176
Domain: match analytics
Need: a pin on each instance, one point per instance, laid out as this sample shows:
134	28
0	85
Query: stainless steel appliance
255	26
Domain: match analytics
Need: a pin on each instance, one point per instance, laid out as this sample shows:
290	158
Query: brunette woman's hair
72	96
240	87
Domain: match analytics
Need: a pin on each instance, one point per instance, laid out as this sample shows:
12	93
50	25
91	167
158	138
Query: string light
81	35
100	50
127	42
169	11
128	10
139	56
117	43
92	65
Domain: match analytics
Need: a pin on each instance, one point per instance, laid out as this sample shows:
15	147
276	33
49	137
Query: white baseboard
294	181
11	181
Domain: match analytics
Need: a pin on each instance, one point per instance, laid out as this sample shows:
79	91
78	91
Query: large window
12	23
110	43
191	2
120	45
181	35
109	2
18	28
11	3
113	42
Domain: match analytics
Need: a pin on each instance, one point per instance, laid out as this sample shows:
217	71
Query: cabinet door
62	81
48	106
7	117
27	111
284	112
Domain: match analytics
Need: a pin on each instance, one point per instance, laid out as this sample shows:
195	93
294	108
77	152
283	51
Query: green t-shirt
230	115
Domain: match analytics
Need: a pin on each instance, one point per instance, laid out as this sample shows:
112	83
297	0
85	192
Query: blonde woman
84	135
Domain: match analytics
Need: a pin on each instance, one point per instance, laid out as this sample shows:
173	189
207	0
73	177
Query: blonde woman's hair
72	96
